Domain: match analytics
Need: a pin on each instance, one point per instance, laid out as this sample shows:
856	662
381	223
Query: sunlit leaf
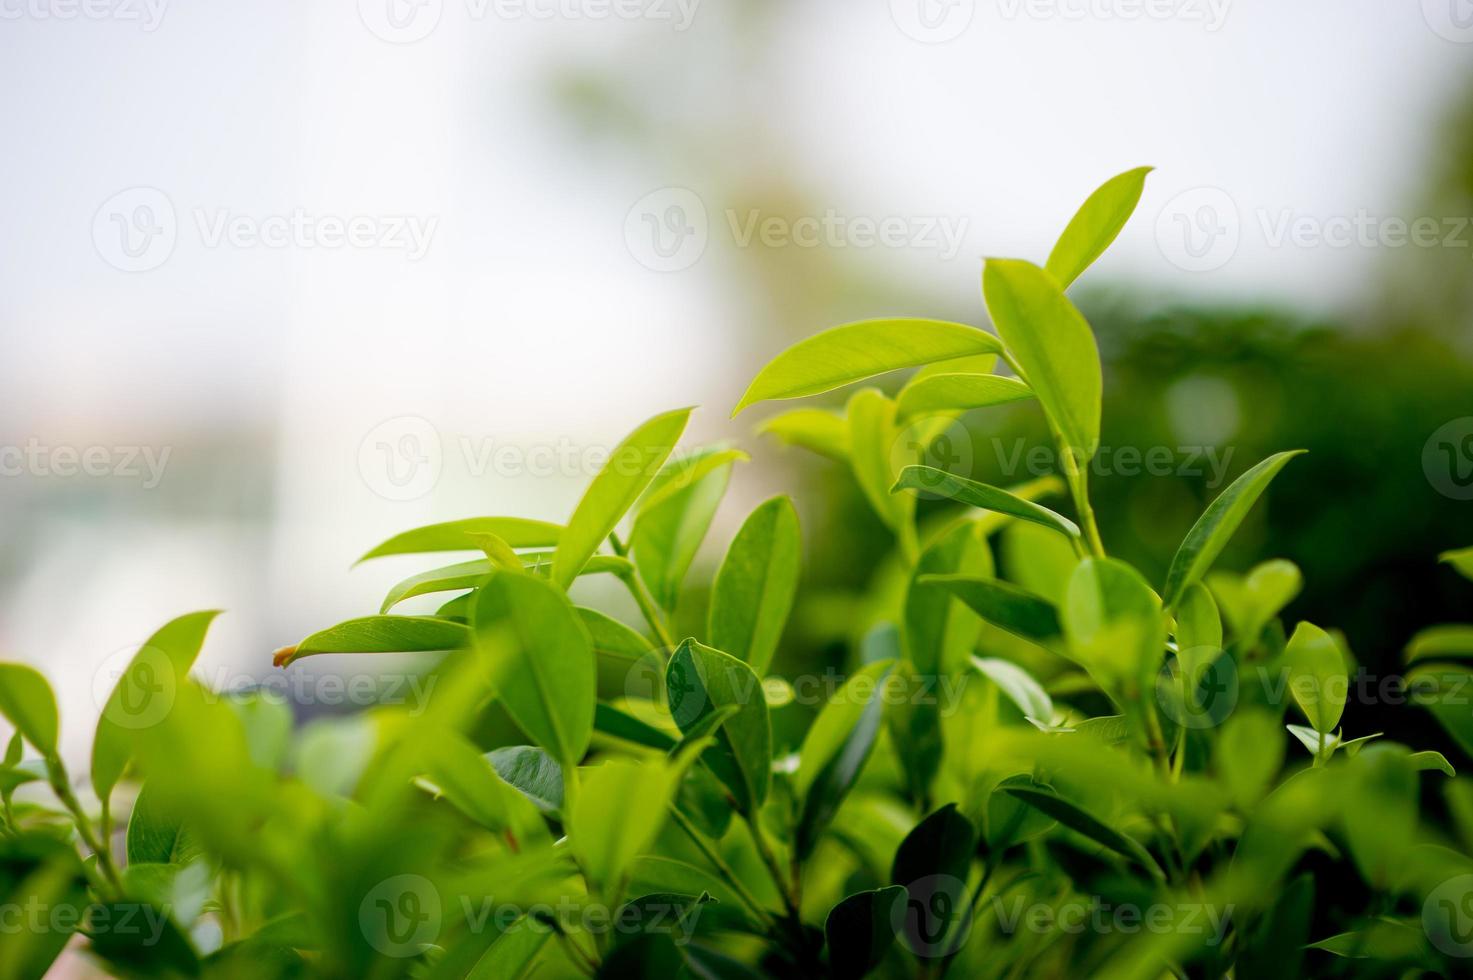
668	532
1095	225
1317	676
380	634
985	496
1205	541
460	535
1053	346
855	351
546	679
959	393
754	587
631	467
27	703
814	429
1449	641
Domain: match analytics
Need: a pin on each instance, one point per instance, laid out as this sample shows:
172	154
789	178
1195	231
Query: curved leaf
380	634
1019	686
982	495
1095	225
668	533
700	681
1447	641
533	773
855	351
1317	676
959	393
1086	824
836	749
1005	606
544	663
754	587
1461	559
27	702
460	536
1052	345
860	930
1205	541
817	430
630	468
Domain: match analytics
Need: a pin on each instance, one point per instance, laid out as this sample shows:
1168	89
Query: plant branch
723	868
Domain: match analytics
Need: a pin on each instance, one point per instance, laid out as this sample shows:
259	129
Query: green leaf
668	533
1095	225
982	495
1317	676
940	630
959	393
835	750
630	468
686	471
1443	690
144	693
1198	631
1429	760
1205	541
468	574
460	536
1252	601
1115	628
701	680
380	634
932	864
1460	559
855	351
872	439
754	587
38	877
27	703
153	947
1386	940
1036	559
544	661
511	953
860	930
156	835
1380	816
1005	606
1019	686
533	773
1249	755
1087	825
1053	347
1448	641
609	720
620	808
1273	947
469	780
1011	821
817	430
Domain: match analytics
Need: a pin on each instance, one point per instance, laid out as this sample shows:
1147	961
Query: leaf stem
784	886
62	787
726	871
645	603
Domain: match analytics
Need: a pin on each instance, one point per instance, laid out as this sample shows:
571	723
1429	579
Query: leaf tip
284	656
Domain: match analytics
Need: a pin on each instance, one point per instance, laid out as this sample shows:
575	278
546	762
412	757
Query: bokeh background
280	279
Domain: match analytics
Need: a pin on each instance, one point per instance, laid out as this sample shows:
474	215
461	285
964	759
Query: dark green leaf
700	680
860	930
982	495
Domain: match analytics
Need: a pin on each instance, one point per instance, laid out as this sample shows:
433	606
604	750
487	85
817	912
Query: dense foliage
1063	771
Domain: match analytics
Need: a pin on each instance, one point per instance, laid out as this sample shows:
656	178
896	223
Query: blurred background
281	279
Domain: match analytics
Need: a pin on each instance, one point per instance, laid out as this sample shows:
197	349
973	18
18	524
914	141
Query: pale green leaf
855	351
754	587
380	634
459	536
630	468
959	393
817	430
1317	678
27	702
1095	225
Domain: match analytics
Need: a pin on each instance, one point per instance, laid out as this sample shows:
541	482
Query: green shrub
1064	772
